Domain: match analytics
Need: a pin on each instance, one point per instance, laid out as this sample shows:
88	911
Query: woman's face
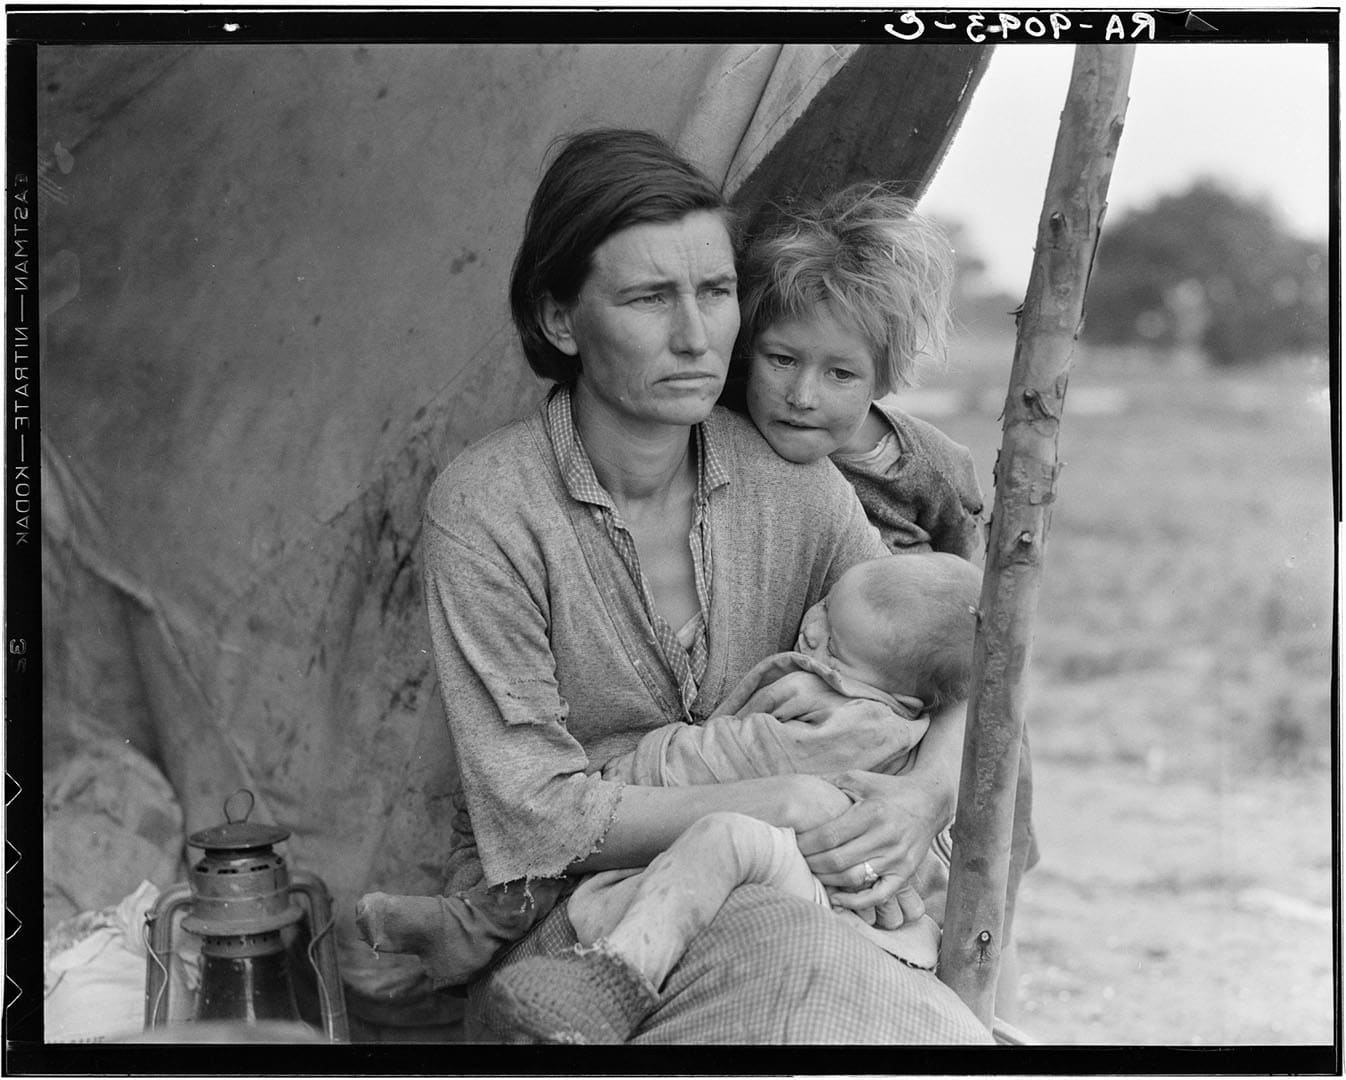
810	382
655	321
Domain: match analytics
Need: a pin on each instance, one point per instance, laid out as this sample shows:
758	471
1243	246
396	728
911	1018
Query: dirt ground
1204	919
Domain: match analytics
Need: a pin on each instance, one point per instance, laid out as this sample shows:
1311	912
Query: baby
840	300
897	631
869	682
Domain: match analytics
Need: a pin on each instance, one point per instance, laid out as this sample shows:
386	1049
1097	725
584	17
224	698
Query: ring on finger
871	875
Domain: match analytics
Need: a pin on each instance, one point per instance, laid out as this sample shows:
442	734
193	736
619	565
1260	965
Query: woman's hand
870	850
903	903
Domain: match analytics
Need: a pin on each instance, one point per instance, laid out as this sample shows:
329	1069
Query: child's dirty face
841	631
810	382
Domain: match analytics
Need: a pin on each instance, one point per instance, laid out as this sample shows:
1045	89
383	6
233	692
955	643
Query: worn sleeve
534	809
856	735
927	500
958	528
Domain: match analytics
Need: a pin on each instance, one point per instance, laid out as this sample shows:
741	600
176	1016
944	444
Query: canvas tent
273	285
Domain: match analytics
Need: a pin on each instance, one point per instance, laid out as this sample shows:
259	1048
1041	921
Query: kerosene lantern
240	901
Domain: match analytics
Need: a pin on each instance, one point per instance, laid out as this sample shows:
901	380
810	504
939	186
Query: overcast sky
1253	116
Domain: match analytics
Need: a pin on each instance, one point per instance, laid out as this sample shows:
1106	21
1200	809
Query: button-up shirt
688	665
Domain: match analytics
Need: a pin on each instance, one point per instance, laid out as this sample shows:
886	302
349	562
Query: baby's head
838	301
901	623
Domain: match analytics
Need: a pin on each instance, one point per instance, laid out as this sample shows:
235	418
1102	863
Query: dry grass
1189	572
1180	699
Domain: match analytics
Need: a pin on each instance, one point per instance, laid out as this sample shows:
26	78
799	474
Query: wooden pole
1025	488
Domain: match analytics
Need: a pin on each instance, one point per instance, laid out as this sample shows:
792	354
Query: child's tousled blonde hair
871	259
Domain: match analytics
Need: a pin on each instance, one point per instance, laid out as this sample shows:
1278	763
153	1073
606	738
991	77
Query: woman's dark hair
601	182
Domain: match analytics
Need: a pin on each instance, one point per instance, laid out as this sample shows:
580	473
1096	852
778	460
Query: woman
617	562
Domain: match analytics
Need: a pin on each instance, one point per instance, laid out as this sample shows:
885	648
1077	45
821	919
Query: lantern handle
252	801
157	933
322	953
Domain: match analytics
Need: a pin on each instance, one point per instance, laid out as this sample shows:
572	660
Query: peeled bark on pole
1025	482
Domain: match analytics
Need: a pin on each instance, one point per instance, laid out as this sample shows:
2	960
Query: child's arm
947	497
960	524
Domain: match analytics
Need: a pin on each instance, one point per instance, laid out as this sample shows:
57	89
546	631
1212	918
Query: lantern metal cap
238	836
237	833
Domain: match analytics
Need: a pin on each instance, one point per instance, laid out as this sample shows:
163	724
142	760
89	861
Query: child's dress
919	488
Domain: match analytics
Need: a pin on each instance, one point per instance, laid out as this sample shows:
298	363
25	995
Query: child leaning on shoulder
840	299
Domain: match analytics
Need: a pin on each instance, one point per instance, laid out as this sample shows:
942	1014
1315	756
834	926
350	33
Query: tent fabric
273	307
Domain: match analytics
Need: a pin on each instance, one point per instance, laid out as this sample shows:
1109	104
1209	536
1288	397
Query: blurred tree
1209	270
969	267
978	307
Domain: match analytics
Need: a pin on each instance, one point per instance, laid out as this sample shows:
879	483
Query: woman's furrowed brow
669	284
645	285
